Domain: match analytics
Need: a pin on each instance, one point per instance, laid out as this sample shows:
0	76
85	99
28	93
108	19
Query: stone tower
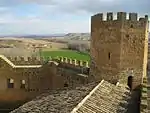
119	48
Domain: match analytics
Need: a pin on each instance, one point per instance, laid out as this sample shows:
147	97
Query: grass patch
66	53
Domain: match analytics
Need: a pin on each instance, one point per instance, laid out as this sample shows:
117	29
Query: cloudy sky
59	16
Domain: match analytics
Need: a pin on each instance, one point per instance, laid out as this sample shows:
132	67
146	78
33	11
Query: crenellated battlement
20	60
73	61
120	16
28	60
118	43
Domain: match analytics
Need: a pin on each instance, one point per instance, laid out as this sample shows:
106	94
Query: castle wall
134	49
20	60
105	47
71	78
12	94
68	74
119	47
51	75
48	73
31	76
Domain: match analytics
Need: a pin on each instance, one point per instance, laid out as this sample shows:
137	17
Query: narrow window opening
22	84
10	83
109	55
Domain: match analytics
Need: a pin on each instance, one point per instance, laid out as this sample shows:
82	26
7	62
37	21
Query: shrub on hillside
81	47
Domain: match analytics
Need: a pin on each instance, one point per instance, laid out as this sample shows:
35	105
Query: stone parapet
144	97
74	61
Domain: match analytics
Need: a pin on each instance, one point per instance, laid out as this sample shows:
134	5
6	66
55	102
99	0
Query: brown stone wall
133	43
134	48
33	82
37	80
15	93
119	46
48	73
69	77
73	79
105	49
56	76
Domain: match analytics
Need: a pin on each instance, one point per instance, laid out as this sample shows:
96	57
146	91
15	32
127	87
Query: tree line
81	47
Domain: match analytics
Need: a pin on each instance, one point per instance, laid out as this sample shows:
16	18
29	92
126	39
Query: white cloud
86	5
93	6
61	16
37	26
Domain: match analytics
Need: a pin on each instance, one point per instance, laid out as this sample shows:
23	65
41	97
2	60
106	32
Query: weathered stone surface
105	98
37	78
145	96
119	46
148	93
56	101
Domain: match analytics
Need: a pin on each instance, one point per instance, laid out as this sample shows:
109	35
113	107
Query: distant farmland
66	53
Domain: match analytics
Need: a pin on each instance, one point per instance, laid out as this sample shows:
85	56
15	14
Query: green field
66	53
